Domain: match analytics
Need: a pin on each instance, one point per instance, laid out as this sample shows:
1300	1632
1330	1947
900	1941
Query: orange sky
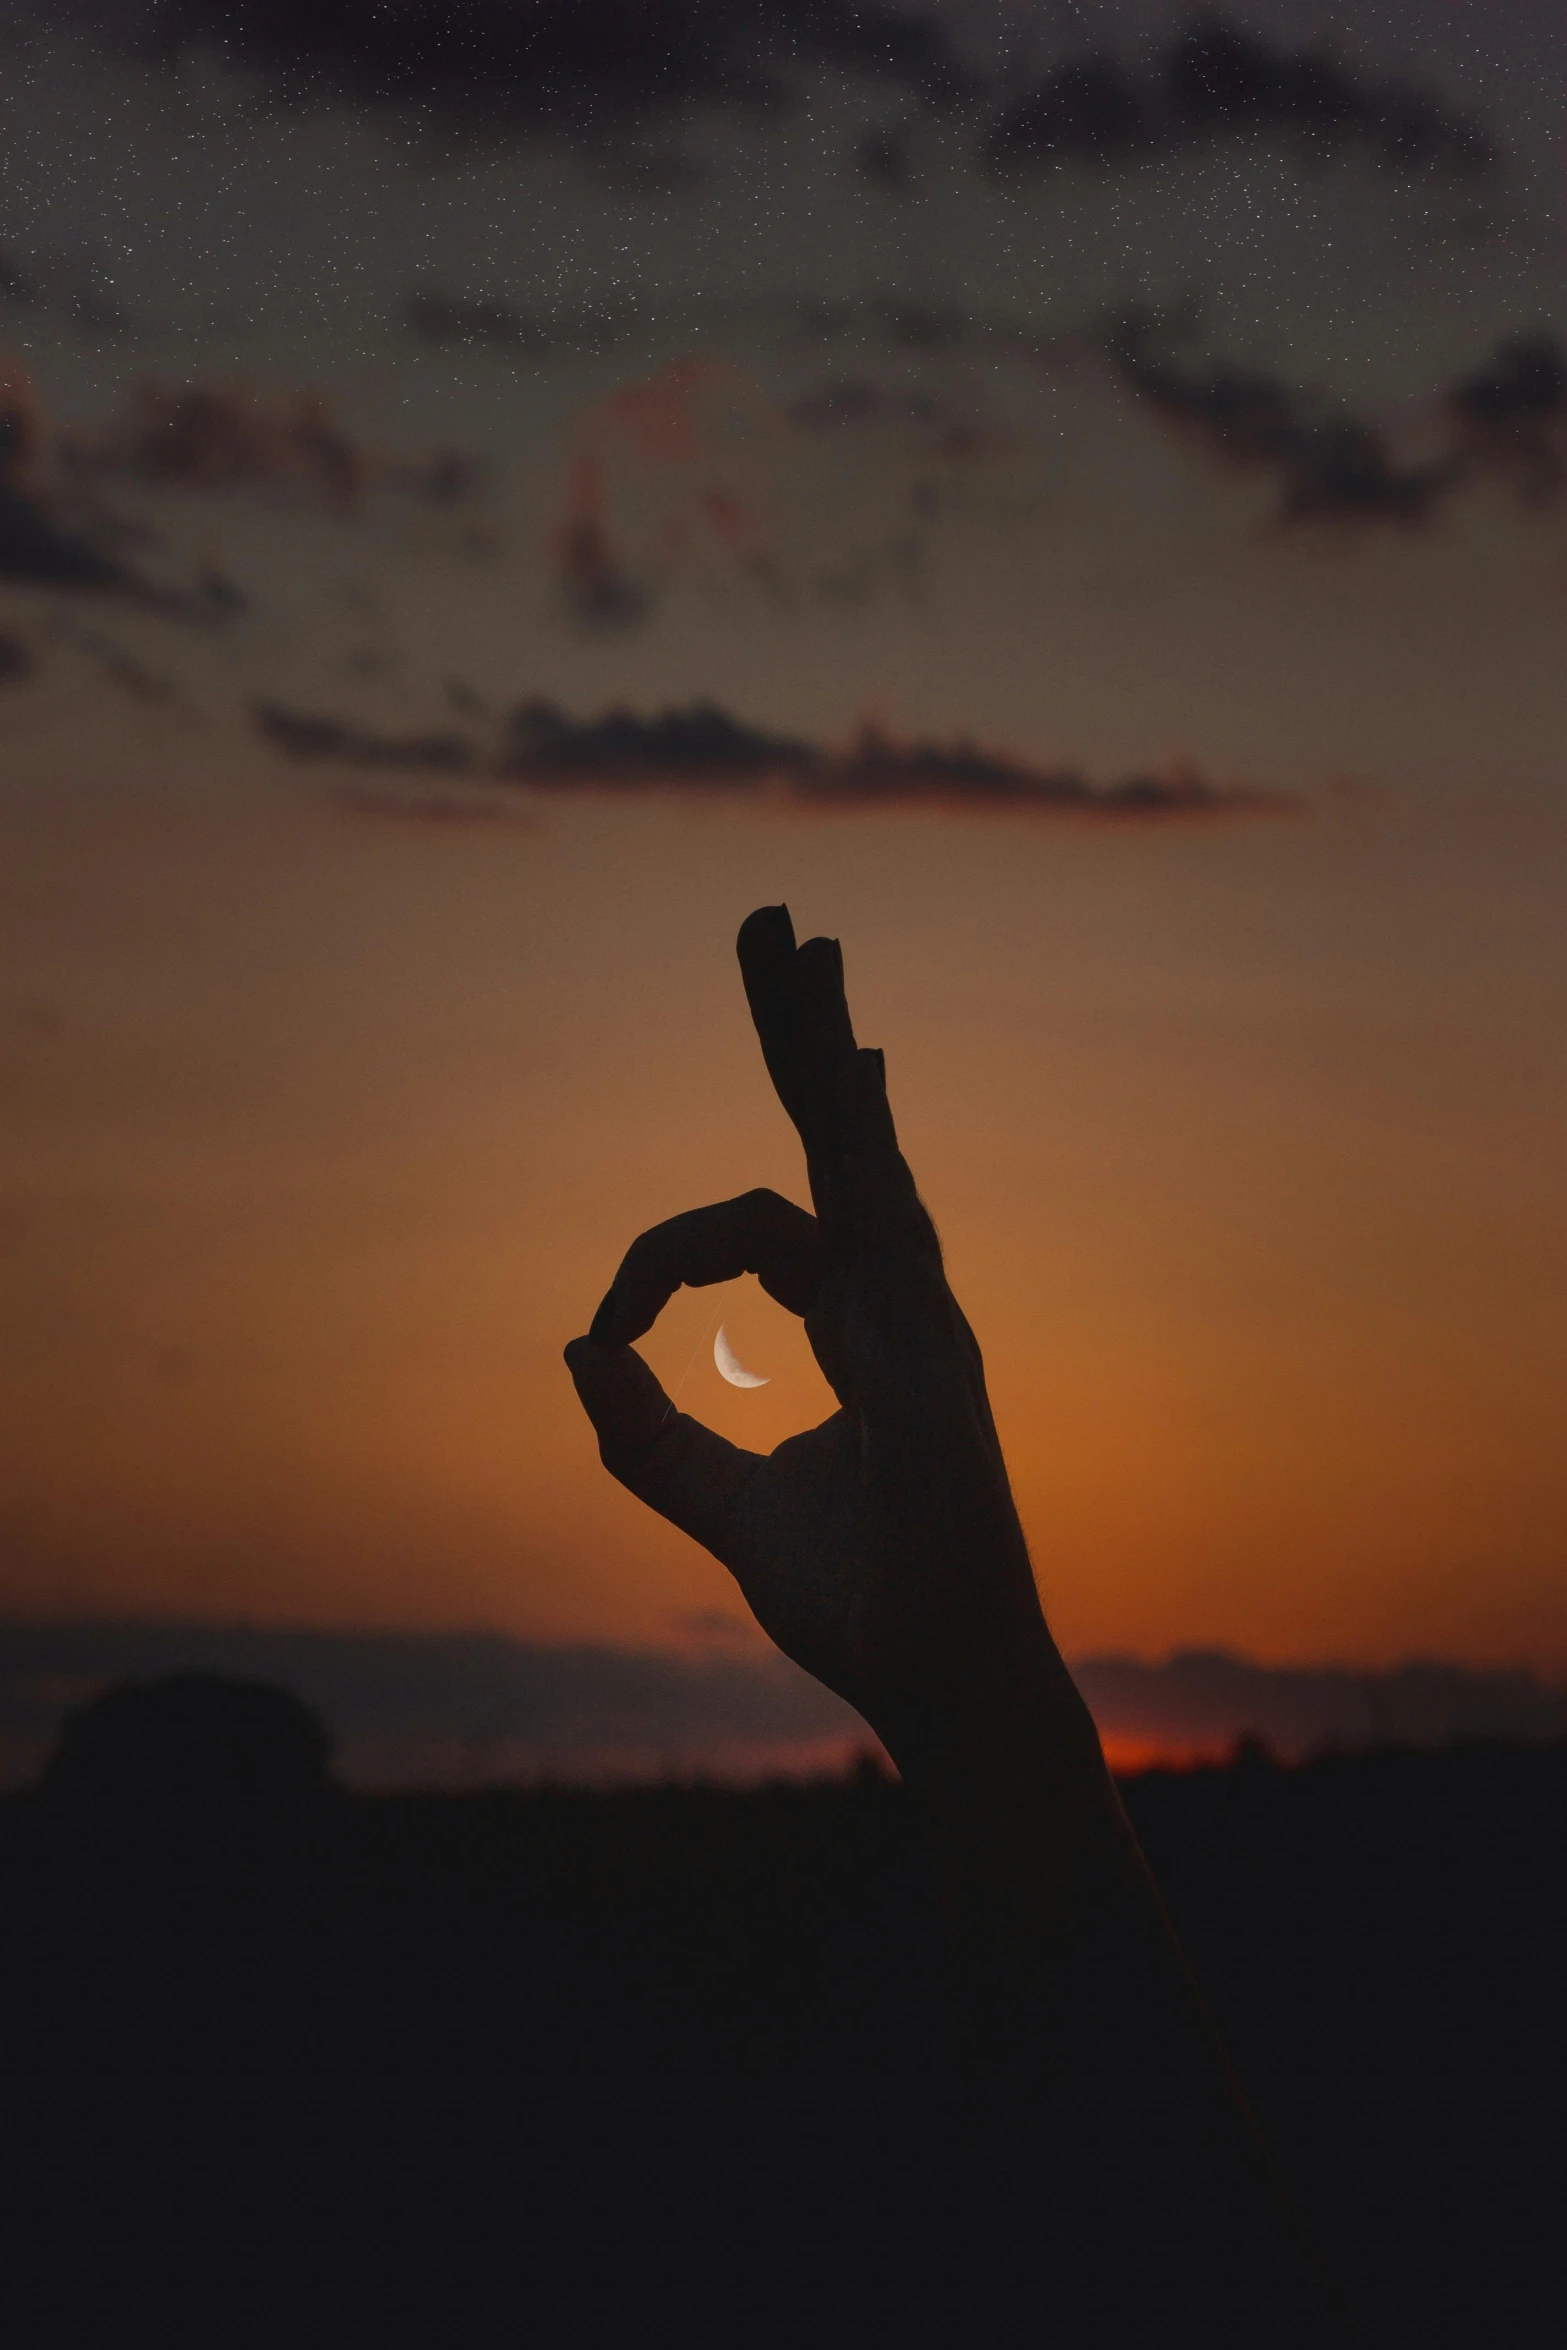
330	1093
327	1129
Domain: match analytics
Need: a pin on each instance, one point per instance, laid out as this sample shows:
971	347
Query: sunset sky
1201	873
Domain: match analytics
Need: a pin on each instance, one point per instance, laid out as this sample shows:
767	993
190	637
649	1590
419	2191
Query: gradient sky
333	1087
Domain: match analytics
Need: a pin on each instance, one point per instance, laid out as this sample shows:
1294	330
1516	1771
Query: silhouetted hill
466	1709
668	2063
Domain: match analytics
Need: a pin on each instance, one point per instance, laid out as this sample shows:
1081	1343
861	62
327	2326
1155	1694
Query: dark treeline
671	2064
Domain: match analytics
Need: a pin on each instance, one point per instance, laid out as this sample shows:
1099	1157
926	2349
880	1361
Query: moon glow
729	1363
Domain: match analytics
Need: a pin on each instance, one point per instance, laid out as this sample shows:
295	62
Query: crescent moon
729	1363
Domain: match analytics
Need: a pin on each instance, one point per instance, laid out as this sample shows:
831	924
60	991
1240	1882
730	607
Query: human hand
882	1550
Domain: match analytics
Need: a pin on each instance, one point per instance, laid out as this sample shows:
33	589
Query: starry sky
1073	500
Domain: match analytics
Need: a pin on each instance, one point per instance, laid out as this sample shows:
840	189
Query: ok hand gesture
881	1550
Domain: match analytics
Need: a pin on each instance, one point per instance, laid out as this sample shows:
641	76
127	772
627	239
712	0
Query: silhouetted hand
882	1550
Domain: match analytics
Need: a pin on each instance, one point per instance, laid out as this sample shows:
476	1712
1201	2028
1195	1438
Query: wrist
997	1708
1008	1779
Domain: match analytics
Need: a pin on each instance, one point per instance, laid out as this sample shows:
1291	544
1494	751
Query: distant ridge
473	1708
1198	1703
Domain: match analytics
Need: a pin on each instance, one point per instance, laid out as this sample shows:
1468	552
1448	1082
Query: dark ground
284	2066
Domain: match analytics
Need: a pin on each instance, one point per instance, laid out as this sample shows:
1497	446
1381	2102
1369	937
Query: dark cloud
1512	415
1215	80
1329	467
1509	417
880	772
582	65
34	546
695	746
409	1707
54	520
703	747
594	579
1089	110
221	436
1218	78
228	436
313	739
36	550
1526	384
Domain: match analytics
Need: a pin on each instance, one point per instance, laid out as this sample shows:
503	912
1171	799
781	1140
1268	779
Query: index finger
760	1233
691	1475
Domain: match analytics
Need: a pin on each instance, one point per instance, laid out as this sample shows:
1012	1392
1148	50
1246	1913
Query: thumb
621	1397
689	1474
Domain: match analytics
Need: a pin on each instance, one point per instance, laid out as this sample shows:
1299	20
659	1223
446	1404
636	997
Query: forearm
1019	1814
1107	2133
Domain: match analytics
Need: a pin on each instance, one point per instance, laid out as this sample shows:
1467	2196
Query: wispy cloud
59	526
1512	415
1509	417
699	746
592	69
704	748
36	545
1217	80
522	64
1506	417
594	579
687	440
37	550
236	436
1328	466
